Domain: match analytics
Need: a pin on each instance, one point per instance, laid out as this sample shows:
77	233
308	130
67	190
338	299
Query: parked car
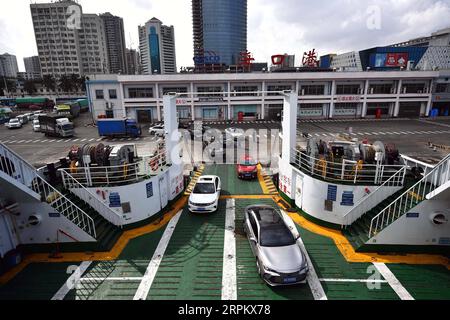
205	196
36	125
279	259
247	168
36	114
14	123
234	133
23	119
157	130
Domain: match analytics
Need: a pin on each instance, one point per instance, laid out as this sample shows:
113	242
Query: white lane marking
382	133
312	278
393	281
82	140
229	282
71	281
317	135
111	279
353	280
367	133
396	132
152	268
91	139
99	139
76	140
361	134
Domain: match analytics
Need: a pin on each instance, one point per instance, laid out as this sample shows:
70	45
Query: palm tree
65	84
75	82
49	82
30	87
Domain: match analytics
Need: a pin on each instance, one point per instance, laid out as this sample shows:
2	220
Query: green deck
191	267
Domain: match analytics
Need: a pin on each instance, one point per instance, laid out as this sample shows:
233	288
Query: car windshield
14	120
247	162
276	236
67	126
35	122
204	188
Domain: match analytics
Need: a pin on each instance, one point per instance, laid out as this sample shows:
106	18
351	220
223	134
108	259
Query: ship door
163	192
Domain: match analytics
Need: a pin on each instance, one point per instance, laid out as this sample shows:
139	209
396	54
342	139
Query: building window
414	88
177	90
442	88
348	89
278	89
240	91
99	94
312	90
140	92
211	91
112	94
386	88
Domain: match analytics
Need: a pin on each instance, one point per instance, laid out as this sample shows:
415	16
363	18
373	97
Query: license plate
201	209
289	280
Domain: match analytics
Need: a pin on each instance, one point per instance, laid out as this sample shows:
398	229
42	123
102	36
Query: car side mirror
297	237
252	239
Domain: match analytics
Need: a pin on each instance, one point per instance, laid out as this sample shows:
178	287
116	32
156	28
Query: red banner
396	59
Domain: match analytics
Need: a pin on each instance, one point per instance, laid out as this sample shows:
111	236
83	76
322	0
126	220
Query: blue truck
118	128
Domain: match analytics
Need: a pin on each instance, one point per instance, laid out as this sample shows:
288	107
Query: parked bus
70	110
8	102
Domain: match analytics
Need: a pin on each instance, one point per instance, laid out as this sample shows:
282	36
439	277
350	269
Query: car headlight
269	269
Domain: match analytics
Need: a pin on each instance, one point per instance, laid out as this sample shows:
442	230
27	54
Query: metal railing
347	171
23	172
118	175
370	201
90	198
437	177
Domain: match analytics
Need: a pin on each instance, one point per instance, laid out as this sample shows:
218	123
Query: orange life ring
154	164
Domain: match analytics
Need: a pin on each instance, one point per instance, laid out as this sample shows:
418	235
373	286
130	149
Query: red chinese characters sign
246	59
310	59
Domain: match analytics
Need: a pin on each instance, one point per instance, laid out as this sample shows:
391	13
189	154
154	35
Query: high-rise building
8	65
115	42
133	61
68	41
32	67
157	48
220	30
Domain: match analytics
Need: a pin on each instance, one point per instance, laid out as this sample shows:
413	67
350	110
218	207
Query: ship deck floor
190	258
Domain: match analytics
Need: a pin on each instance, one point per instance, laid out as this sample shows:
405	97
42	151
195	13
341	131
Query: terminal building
322	95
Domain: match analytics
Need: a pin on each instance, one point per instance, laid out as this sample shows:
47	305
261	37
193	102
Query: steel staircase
393	207
90	214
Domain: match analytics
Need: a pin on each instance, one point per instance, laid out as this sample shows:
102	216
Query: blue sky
274	26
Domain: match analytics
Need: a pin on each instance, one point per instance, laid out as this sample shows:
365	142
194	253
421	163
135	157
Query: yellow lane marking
351	255
97	256
253	196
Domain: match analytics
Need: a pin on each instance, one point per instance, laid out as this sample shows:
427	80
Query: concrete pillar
333	92
230	117
364	107
397	99
192	102
289	125
158	106
430	99
263	100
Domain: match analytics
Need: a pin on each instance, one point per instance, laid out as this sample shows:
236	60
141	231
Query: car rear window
276	236
204	188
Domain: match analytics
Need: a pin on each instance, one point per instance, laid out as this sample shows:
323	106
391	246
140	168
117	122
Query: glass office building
220	30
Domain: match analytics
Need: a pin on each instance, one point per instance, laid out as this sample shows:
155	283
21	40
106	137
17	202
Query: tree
8	85
82	83
65	84
49	82
30	87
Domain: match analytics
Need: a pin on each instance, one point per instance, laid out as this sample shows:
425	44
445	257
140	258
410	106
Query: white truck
53	125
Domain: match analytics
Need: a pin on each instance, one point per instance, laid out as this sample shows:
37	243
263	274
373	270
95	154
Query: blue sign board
149	187
114	200
412	215
332	192
444	241
347	198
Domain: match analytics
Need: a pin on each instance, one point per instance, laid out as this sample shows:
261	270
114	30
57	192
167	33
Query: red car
247	169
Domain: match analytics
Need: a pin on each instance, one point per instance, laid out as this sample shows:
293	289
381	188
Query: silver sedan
279	259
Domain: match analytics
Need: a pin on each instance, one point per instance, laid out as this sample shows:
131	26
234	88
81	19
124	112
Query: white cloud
284	26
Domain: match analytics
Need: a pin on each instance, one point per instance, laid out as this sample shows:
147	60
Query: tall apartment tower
68	41
115	42
8	65
157	48
220	29
32	67
133	61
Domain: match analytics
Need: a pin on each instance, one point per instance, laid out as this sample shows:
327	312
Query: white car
36	126
234	133
14	124
206	194
157	130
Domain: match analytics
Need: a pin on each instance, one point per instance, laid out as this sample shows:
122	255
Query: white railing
64	206
370	201
347	171
411	163
118	175
91	199
23	172
437	177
